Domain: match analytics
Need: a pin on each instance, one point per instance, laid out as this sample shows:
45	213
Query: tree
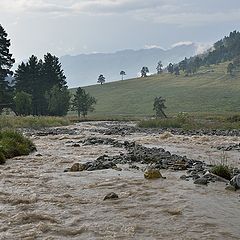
122	73
230	68
101	79
176	71
159	67
58	100
52	75
52	72
37	77
158	106
236	61
28	78
144	71
23	103
6	63
83	102
197	62
170	68
183	65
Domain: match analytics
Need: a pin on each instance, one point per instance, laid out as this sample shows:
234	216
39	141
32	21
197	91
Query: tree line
39	86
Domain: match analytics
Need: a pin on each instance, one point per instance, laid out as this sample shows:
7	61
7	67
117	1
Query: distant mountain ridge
84	69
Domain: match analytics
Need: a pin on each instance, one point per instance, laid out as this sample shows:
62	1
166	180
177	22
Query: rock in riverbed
201	181
235	181
152	173
111	195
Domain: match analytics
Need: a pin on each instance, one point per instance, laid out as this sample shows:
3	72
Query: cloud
152	46
41	6
188	13
182	43
191	18
203	47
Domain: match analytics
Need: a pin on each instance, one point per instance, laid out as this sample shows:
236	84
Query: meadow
210	91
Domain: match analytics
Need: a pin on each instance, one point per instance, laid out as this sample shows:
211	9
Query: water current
38	200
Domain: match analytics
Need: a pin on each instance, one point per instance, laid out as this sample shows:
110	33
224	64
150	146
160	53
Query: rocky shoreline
140	157
113	128
143	158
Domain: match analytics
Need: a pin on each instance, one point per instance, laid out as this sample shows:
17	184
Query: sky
73	27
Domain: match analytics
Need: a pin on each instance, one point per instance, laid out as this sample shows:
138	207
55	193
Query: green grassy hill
210	90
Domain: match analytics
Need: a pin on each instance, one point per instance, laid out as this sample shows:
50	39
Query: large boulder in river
152	173
235	181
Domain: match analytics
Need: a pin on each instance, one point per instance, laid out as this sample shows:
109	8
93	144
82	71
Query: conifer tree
6	63
144	71
83	102
159	67
43	81
158	106
101	79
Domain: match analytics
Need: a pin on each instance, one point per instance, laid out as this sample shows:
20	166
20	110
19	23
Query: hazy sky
85	26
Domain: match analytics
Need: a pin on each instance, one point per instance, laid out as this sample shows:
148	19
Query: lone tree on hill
101	79
158	106
159	67
170	68
6	63
122	73
83	102
144	71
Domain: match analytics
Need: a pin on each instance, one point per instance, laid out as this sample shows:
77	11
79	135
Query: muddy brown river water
40	201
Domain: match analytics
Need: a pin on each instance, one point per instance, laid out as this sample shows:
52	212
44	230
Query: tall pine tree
6	62
28	78
52	72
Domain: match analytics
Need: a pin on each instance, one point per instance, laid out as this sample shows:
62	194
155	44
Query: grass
222	170
194	122
211	90
13	144
32	122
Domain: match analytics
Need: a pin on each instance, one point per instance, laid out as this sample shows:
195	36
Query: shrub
14	144
222	171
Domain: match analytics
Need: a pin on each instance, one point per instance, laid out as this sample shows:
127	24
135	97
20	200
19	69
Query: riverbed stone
201	181
152	173
111	195
75	167
230	187
235	181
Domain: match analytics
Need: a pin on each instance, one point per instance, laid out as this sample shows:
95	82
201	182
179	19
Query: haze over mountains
84	69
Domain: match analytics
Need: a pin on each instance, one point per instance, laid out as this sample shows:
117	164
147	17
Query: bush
222	171
14	144
2	158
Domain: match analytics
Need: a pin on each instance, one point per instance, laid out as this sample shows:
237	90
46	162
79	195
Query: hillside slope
210	90
84	69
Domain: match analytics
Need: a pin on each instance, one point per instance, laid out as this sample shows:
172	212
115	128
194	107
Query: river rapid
38	200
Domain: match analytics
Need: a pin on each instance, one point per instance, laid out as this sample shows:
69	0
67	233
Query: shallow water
39	201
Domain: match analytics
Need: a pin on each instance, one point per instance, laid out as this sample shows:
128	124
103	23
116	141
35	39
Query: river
38	200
